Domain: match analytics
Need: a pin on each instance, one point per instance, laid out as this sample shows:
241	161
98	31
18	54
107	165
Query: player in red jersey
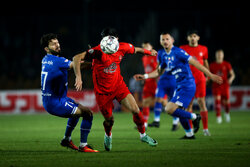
150	64
109	85
200	53
221	92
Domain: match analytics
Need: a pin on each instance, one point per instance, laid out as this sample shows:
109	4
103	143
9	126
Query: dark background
79	23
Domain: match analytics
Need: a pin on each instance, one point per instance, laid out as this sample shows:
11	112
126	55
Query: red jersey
106	67
222	70
200	53
149	64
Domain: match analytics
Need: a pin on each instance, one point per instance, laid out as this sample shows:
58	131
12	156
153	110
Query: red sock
139	121
145	112
218	107
190	122
227	108
204	118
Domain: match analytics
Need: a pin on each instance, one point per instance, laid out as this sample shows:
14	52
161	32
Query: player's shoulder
184	46
123	45
161	51
179	50
202	46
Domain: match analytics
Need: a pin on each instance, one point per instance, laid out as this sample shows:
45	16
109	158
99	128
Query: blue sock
85	128
72	122
182	114
157	111
185	124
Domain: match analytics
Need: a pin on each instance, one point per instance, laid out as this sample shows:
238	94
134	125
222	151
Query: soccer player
165	86
109	85
54	82
148	94
221	92
176	63
200	53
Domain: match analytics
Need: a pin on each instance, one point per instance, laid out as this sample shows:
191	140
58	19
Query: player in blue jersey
176	63
165	86
54	83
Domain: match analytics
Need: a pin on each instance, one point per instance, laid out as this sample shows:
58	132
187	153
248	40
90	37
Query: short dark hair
46	38
192	31
109	31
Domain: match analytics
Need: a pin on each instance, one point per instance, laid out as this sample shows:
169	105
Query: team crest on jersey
91	51
130	45
110	69
201	53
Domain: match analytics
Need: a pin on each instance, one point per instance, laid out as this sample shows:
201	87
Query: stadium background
79	24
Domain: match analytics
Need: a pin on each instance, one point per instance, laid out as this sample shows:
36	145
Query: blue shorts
165	87
183	95
62	107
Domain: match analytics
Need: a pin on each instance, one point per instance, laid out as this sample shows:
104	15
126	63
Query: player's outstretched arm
145	51
203	69
153	74
77	59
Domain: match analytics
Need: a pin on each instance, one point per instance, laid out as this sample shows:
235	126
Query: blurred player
176	63
148	94
165	87
109	85
200	53
221	92
54	82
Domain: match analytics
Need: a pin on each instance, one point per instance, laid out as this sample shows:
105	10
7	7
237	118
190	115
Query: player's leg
226	103
108	123
130	103
217	101
146	102
157	112
190	109
204	115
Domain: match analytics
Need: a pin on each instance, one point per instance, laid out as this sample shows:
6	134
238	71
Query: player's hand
216	78
78	84
154	52
139	77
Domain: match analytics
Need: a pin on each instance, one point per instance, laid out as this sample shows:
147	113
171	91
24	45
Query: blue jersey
176	63
166	83
54	76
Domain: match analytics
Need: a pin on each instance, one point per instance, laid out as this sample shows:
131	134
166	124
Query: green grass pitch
34	140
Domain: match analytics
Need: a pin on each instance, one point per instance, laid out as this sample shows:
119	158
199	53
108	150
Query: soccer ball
109	44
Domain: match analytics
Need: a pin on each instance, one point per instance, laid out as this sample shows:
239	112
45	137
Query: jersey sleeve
205	53
94	52
183	55
229	67
127	48
63	62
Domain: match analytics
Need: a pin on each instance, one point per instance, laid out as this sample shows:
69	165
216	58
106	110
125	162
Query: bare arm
203	69
232	76
142	51
77	69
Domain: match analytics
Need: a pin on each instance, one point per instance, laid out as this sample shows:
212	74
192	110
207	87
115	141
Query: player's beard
54	52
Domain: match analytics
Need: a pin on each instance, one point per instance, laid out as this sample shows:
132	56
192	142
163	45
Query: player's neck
193	44
168	50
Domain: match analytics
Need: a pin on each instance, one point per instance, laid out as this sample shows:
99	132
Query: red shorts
200	88
105	100
222	90
149	89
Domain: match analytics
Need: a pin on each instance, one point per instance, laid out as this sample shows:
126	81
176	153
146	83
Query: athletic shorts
62	107
222	90
149	89
105	100
200	88
165	88
183	96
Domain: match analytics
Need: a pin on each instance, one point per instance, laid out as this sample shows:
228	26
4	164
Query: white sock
83	144
189	134
67	138
157	119
194	116
142	135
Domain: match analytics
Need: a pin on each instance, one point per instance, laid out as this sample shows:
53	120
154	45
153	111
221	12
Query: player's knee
109	121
